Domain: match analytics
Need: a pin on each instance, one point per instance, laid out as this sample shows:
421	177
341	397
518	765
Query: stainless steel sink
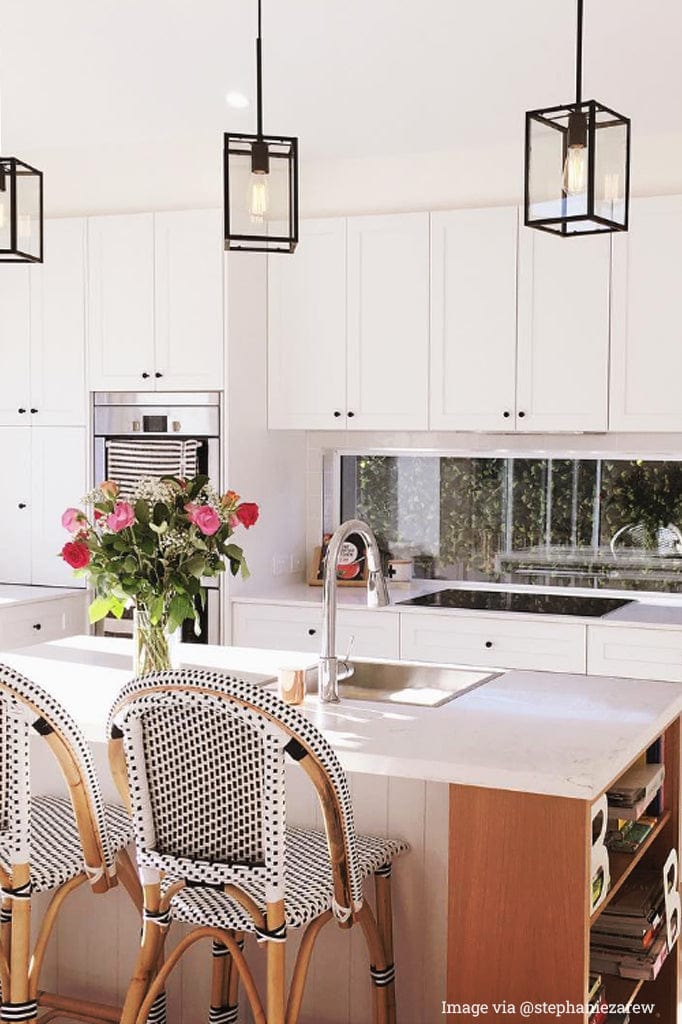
403	682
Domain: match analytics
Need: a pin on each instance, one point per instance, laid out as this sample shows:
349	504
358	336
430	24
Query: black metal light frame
11	170
589	110
262	149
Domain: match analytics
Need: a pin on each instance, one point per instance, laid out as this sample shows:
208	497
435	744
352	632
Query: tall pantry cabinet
42	405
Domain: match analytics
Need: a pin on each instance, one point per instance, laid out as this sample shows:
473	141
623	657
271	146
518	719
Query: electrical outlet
280	565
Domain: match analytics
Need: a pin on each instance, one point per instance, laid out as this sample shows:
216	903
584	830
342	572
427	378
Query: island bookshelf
519	905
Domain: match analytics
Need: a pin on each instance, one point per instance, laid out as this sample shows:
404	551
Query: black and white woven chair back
26	709
205	756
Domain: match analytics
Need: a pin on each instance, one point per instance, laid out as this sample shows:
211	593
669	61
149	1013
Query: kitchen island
546	745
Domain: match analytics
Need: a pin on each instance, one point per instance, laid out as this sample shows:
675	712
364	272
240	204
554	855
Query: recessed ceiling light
237	100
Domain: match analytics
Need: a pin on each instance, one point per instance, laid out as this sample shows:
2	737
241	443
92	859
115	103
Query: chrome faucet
377	596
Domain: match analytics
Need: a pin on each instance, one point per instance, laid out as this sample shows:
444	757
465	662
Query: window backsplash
596	522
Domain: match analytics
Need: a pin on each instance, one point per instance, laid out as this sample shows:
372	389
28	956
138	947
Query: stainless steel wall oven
155	417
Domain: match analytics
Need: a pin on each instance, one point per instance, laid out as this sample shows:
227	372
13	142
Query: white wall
268	467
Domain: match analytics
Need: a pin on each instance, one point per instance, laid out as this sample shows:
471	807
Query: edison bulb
258	198
575	171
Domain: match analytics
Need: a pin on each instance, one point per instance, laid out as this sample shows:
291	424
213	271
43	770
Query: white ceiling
107	83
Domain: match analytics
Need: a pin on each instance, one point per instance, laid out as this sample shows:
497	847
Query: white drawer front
500	643
37	623
635	652
291	628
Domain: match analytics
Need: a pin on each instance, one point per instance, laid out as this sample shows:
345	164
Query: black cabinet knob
488	643
22	411
336	413
522	414
145	376
37	626
158	375
506	414
312	632
351	414
22	504
34	410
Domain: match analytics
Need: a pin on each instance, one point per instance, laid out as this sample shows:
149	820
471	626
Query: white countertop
663	611
11	594
537	732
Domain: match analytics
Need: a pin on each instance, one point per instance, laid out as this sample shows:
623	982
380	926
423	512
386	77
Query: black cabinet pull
506	414
37	625
488	643
351	414
312	632
22	411
145	376
22	504
158	375
34	410
522	414
336	413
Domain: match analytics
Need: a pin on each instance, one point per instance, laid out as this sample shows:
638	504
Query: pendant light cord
578	54
259	78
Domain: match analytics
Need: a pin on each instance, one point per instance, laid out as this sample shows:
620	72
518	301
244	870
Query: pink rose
122	517
72	519
204	518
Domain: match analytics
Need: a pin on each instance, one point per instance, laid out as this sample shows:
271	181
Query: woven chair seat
308	885
56	852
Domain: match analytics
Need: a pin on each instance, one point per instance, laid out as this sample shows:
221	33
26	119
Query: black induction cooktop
504	601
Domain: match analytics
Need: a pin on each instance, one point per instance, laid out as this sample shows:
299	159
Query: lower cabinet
370	633
637	652
40	621
45	470
495	642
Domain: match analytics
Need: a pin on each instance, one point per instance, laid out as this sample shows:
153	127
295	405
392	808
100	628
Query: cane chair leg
17	1004
231	993
129	878
5	934
46	928
146	967
381	969
222	1009
239	962
384	913
305	952
276	966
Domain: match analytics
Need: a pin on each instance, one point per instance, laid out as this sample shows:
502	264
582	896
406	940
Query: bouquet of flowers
152	551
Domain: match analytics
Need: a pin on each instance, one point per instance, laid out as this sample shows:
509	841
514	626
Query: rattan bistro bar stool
199	756
49	844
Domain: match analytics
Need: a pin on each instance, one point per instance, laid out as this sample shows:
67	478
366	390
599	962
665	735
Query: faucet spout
377	596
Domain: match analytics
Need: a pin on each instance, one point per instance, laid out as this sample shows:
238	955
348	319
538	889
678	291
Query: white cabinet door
473	319
646	347
15	360
563	335
15	505
38	622
121	302
188	269
307	331
637	652
388	322
58	461
58	391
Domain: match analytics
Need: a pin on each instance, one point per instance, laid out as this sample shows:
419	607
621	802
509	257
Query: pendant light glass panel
577	169
21	212
261	193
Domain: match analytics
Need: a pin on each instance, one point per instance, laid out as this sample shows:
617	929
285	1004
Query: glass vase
154	648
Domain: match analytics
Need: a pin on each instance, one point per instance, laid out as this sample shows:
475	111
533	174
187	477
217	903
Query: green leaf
195	565
142	511
100	608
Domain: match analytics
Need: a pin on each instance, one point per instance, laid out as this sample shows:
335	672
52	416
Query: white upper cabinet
388	322
473	319
563	332
121	302
646	360
188	269
58	392
15	340
307	330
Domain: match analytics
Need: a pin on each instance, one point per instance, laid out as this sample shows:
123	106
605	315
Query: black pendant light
577	174
261	183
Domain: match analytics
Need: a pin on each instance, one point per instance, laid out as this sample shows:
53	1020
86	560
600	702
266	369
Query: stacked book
635	790
629	938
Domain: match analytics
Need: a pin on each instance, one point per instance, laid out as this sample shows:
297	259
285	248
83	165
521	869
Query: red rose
76	555
247	513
